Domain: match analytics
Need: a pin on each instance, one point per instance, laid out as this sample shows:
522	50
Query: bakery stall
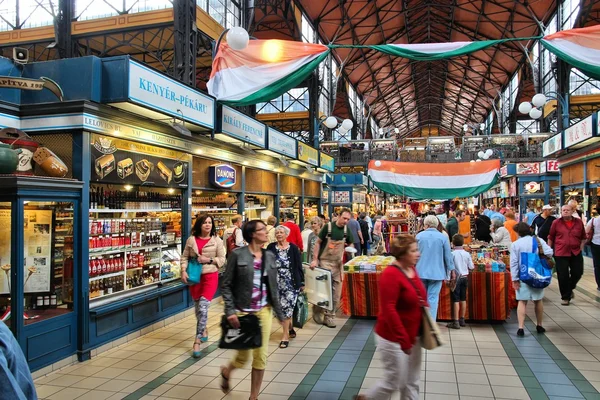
261	194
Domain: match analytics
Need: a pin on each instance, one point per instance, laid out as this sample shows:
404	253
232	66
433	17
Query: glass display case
259	206
289	204
311	209
134	238
5	261
220	205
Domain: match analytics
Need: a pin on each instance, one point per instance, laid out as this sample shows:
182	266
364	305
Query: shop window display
5	262
134	238
220	205
289	204
259	206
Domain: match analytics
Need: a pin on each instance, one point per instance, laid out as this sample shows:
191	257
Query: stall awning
434	180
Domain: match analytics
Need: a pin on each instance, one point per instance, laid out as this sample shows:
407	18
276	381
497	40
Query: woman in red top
398	323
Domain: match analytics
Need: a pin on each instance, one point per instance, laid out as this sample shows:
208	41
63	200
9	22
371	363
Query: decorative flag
263	70
435	51
578	47
434	180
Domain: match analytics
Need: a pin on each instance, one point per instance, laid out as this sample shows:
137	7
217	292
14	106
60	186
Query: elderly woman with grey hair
500	235
290	279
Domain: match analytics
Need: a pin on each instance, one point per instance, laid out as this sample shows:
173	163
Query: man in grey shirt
354	227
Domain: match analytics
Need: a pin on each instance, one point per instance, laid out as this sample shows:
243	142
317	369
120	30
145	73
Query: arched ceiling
414	95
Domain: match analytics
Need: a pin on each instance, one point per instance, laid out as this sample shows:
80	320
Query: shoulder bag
431	337
194	271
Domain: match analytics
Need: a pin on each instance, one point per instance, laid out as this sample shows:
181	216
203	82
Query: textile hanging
578	47
262	71
435	51
434	180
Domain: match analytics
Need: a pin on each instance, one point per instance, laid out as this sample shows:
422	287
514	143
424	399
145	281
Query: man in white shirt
463	263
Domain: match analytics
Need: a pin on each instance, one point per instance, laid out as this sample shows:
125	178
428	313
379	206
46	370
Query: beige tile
133	387
133	375
87	370
115	385
151	376
267	396
468	359
500	370
90	383
127	364
468	378
466	389
280	388
503	380
288	377
209	371
149	365
182	392
68	394
237	395
161	389
44	391
97	395
441	388
104	361
488	360
196	381
277	366
62	380
512	393
436	376
439	396
110	373
280	357
212	394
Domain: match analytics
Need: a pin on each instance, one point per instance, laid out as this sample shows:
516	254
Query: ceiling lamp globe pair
332	123
485	154
533	108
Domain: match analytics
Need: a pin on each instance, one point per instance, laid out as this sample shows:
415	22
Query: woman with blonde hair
316	224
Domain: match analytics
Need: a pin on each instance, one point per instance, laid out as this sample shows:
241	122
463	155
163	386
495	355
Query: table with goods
490	295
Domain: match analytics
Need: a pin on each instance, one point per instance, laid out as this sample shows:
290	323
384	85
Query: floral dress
287	293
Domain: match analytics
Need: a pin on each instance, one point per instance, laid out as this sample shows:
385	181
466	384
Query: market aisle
480	361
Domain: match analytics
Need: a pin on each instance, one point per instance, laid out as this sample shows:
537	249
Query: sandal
284	344
196	354
224	381
292	334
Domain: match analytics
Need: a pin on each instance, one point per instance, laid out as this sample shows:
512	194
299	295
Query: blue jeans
433	295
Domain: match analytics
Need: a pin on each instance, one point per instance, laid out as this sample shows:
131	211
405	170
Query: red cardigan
399	318
295	236
565	241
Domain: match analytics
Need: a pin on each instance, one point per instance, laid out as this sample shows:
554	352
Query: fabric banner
578	47
434	180
434	51
263	70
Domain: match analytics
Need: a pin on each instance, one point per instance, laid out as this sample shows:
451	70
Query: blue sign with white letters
222	175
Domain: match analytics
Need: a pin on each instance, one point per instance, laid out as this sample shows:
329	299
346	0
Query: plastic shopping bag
533	270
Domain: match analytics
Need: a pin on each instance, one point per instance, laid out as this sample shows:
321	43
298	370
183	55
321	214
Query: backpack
230	243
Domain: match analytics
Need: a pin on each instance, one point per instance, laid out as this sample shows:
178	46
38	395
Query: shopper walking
295	236
250	286
401	293
436	263
290	279
305	235
205	246
542	223
529	216
377	234
482	228
354	227
328	254
364	231
458	297
593	229
16	382
567	238
525	292
316	224
509	224
499	233
234	230
271	223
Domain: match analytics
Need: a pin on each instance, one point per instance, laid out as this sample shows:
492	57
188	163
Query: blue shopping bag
194	271
534	270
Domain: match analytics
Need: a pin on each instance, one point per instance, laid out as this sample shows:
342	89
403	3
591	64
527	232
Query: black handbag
248	336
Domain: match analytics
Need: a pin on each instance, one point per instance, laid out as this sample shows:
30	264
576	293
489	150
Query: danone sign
222	175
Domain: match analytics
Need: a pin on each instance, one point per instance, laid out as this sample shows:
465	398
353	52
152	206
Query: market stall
489	298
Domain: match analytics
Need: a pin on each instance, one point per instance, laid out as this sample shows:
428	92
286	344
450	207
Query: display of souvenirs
490	259
368	264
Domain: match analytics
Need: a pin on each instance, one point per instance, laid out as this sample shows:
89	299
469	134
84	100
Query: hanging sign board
579	132
341	196
222	176
10	82
532	187
327	162
240	126
165	95
308	154
528	168
282	144
552	145
552	166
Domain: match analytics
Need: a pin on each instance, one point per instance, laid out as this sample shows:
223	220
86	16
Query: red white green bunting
578	47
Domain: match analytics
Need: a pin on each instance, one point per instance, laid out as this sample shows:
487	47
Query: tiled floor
478	362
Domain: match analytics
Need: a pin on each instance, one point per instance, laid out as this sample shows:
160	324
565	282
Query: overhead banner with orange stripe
578	47
434	180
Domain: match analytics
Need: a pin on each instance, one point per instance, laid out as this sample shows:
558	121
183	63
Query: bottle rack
63	257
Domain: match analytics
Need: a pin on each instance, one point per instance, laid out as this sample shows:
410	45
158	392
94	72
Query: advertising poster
4	252
341	196
126	162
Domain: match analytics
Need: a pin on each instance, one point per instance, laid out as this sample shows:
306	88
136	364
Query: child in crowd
463	263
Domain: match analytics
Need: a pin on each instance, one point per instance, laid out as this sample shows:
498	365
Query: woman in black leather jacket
249	285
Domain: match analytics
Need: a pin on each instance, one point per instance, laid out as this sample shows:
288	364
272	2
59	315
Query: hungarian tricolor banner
263	70
434	180
434	51
578	47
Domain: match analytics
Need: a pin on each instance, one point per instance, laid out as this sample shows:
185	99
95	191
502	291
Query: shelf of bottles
134	238
221	206
63	255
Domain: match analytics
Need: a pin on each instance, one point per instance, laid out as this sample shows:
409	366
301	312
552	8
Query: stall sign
308	154
360	198
528	168
282	143
222	176
504	189
552	145
504	171
542	168
341	196
325	196
240	126
579	132
125	162
327	162
163	94
532	187
552	166
512	187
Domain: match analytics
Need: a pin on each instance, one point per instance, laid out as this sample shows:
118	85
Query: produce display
368	264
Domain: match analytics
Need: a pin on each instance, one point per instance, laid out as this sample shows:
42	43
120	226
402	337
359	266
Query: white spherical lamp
539	100
535	113
472	161
347	124
238	38
378	163
525	107
482	127
465	127
489	152
342	131
478	160
331	122
486	156
480	154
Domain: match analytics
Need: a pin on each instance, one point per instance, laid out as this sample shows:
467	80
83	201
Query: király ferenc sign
163	94
240	126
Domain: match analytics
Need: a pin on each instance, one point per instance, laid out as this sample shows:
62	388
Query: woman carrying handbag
399	322
206	248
